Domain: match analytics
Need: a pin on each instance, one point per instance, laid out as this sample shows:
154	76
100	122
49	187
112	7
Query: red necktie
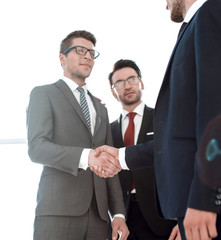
129	133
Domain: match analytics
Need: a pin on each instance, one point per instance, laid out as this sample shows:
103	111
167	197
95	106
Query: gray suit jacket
57	135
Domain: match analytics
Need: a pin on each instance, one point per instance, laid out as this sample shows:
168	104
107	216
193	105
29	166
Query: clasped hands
104	161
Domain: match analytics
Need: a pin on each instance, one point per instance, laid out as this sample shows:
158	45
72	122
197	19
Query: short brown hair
123	63
66	43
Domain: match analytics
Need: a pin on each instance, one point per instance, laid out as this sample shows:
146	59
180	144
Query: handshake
104	161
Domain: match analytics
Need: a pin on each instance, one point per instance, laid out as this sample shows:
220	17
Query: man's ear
142	85
114	92
62	59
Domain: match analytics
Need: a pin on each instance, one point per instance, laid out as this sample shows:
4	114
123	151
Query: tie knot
131	115
80	89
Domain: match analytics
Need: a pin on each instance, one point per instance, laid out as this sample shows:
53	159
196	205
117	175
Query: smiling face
77	67
129	95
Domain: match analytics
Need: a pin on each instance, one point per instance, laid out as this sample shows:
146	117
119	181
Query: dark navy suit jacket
189	97
209	155
144	179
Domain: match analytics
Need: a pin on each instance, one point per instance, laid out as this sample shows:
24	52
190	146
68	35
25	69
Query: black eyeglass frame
93	53
124	81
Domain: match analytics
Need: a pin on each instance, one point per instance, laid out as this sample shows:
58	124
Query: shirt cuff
122	158
118	215
84	159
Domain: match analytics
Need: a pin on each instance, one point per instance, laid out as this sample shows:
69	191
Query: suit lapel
121	140
174	50
71	98
117	132
145	126
167	73
98	112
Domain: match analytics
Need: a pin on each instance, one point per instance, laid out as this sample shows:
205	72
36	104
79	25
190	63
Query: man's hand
110	150
103	164
200	225
175	234
119	227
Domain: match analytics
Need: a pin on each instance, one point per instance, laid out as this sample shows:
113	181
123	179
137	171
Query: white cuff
122	158
118	215
84	159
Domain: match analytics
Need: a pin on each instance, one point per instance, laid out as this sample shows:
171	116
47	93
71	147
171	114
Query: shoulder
148	109
43	89
210	10
115	123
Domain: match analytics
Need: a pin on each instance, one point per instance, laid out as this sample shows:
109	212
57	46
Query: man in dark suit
143	214
188	99
65	122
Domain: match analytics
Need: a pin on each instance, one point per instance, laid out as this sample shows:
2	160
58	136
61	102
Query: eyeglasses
83	51
121	83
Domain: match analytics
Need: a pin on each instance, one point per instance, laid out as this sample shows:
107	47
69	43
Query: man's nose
88	55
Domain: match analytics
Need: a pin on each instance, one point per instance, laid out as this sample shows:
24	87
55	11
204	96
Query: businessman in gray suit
64	123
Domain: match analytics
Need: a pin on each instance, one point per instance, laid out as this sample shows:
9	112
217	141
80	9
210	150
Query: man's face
129	94
77	66
177	9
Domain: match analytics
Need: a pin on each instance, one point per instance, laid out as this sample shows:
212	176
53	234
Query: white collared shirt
137	120
193	9
73	86
139	110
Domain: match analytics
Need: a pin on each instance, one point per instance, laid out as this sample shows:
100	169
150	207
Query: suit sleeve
140	156
208	84
41	147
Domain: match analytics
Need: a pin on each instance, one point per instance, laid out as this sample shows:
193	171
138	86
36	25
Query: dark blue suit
189	97
209	155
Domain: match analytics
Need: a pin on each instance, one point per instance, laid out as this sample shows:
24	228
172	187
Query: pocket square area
150	133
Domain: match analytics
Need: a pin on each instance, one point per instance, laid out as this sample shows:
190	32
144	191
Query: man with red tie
135	125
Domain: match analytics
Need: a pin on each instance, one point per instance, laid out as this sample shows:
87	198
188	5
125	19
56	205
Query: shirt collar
193	9
73	85
138	110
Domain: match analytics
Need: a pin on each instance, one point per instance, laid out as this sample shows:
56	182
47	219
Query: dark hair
66	43
123	63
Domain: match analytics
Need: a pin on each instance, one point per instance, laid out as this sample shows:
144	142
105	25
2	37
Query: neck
131	107
189	3
79	81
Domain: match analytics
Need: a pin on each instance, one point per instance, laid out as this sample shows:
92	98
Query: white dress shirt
139	110
137	120
192	10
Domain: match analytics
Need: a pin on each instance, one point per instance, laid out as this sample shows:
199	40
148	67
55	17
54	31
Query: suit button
218	202
218	196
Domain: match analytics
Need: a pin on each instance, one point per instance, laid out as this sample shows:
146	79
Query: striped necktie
84	106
